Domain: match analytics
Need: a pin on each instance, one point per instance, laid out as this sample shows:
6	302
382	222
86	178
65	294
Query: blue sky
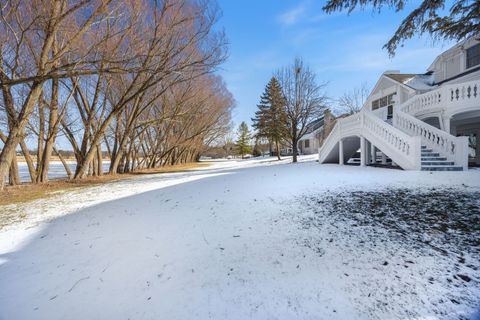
344	50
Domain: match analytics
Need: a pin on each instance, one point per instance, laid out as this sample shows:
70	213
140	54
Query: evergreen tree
257	150
243	140
450	20
271	120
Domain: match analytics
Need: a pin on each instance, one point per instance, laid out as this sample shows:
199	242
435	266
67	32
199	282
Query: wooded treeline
132	78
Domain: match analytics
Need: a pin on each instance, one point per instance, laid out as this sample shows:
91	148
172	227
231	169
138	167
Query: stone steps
430	154
438	163
433	161
441	168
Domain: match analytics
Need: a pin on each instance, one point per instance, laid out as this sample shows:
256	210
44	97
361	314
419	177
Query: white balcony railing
448	97
464	95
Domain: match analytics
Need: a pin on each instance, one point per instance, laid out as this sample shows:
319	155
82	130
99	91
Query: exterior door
390	111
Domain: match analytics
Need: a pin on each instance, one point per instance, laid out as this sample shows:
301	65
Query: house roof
312	128
315	124
454	49
419	82
401	77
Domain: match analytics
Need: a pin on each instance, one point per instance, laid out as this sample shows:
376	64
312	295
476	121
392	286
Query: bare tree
37	39
133	78
304	97
352	101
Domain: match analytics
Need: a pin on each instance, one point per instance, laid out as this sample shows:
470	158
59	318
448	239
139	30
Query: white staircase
433	161
402	148
409	142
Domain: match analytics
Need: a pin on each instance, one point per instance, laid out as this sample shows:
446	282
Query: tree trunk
82	166
52	132
99	160
41	139
295	148
94	166
7	155
277	147
65	164
28	159
16	133
117	159
14	177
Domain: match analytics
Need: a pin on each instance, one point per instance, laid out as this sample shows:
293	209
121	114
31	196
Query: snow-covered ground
251	239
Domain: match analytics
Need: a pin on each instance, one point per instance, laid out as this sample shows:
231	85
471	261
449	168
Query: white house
427	121
310	142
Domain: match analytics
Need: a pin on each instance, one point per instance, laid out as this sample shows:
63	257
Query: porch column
373	155
440	122
367	152
363	151
384	158
477	149
446	123
340	152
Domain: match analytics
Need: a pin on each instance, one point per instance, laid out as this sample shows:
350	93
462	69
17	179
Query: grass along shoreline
28	191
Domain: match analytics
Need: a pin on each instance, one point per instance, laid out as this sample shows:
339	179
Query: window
383	101
473	56
307	144
390	99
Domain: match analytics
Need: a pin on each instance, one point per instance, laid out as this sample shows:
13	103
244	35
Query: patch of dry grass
29	192
172	169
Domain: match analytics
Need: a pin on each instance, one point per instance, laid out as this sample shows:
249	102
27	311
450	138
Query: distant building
317	132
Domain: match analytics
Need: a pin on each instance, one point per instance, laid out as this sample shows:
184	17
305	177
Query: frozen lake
56	170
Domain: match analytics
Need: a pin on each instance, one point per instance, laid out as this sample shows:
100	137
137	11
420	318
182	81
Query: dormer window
473	56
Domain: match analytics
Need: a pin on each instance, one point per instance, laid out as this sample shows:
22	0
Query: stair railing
401	147
404	149
454	148
343	127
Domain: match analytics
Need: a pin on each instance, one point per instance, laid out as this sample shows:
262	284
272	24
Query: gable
383	87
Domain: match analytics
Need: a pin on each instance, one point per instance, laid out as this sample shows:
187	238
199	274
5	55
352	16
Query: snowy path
219	243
